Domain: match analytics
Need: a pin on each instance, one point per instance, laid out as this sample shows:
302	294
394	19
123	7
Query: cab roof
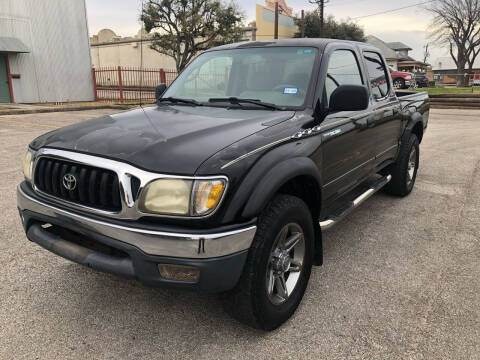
319	43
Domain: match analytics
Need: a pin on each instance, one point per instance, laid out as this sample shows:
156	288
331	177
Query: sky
409	26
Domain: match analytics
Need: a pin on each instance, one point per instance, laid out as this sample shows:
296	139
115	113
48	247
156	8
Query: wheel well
418	130
306	188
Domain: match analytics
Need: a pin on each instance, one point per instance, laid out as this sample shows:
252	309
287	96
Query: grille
93	187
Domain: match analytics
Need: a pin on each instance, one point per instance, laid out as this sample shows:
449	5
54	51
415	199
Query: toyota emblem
69	182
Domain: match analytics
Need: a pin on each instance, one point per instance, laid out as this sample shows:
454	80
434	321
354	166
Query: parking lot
401	278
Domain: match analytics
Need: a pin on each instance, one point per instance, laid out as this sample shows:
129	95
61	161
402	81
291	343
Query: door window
377	73
343	69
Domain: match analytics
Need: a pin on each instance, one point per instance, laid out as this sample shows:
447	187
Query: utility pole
275	32
303	23
321	8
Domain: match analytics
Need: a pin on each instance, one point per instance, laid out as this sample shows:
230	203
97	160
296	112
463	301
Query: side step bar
328	223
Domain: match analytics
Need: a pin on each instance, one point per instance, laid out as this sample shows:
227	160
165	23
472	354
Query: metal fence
451	79
129	83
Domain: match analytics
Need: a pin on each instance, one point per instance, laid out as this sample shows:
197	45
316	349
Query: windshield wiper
175	100
238	101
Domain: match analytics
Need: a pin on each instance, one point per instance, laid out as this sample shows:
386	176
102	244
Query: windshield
279	75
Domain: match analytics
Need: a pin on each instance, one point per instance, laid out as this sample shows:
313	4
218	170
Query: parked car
401	79
228	188
474	79
421	79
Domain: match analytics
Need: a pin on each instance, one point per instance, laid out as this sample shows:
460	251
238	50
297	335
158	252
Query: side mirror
159	90
349	98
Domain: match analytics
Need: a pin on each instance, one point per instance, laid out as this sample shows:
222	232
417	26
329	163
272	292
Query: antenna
141	57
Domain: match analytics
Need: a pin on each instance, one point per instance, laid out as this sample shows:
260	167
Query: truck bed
413	101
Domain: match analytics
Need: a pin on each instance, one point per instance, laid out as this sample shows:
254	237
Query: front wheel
278	266
399	84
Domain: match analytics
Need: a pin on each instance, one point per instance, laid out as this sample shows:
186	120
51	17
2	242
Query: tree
345	30
183	28
456	24
321	12
426	52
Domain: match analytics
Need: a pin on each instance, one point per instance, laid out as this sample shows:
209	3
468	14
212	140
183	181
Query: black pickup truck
226	184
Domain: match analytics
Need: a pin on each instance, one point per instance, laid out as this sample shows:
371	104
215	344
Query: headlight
27	165
409	77
182	196
167	196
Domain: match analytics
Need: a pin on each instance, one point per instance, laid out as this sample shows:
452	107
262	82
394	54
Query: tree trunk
461	63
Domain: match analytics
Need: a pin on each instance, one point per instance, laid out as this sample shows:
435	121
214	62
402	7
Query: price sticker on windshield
290	91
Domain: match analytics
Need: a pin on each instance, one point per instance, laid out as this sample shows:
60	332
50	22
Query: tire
399	83
404	170
252	301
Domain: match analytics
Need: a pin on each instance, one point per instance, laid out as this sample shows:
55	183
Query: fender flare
273	180
413	120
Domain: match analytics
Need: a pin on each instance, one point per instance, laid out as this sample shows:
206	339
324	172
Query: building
389	54
110	50
44	51
446	72
396	54
265	21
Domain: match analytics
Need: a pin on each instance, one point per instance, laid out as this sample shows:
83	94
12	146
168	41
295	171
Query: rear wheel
278	266
404	170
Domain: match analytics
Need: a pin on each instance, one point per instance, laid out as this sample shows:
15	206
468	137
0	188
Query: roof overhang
12	45
408	62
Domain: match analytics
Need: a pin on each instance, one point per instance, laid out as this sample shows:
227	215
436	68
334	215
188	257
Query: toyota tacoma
227	183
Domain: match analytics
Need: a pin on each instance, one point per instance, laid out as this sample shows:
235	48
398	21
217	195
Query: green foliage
183	28
344	30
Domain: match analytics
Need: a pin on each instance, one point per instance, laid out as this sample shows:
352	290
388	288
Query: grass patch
450	90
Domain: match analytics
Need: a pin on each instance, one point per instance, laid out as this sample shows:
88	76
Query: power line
392	10
342	3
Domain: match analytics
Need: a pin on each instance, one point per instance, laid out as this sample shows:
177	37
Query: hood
164	139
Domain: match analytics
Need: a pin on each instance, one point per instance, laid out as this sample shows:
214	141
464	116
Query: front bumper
218	255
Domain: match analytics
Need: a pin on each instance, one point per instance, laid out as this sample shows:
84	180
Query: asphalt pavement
401	278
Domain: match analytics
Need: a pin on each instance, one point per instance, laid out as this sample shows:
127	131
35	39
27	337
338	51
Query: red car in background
474	79
401	79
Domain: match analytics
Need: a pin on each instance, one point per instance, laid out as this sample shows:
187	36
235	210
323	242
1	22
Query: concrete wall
110	50
58	67
115	51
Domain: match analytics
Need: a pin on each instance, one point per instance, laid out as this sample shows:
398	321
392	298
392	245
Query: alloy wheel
412	163
285	263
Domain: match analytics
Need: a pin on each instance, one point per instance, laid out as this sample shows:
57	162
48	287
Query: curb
64	109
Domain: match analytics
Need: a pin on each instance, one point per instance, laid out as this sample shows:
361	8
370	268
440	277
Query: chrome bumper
160	243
